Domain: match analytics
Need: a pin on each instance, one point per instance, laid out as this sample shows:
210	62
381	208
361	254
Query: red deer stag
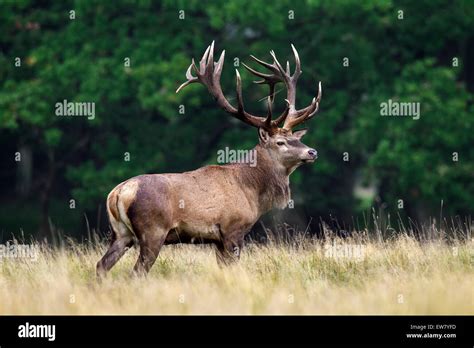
214	204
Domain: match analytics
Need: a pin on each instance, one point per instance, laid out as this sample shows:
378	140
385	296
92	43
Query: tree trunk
45	198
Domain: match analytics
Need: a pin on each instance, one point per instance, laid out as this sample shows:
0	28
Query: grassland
307	276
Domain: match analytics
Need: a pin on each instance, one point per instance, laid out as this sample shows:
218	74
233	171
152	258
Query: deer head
276	135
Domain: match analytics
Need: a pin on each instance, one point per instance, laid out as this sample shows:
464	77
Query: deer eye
280	143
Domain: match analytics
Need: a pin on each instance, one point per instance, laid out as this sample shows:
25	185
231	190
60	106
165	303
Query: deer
215	204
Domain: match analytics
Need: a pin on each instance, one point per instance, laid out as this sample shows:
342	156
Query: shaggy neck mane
269	181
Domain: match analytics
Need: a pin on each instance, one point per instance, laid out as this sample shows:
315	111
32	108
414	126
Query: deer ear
299	134
263	135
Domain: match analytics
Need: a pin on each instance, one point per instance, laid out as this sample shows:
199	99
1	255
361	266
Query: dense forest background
128	57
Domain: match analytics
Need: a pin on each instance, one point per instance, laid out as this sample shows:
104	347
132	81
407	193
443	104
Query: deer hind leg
229	247
151	241
122	240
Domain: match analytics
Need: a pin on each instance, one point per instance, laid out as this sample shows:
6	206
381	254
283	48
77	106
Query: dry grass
400	276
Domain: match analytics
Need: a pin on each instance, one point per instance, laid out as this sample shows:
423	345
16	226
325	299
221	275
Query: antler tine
271	67
240	102
272	92
289	82
189	76
316	103
218	66
259	74
298	71
311	109
278	65
242	114
280	119
306	113
203	61
209	74
268	121
210	60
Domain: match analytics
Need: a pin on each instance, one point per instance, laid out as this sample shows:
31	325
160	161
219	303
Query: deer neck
268	180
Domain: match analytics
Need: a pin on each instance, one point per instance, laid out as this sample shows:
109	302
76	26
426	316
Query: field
307	276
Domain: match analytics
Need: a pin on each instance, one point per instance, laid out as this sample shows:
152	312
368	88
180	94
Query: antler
293	116
209	74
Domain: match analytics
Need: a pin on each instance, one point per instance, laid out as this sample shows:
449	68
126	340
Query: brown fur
212	204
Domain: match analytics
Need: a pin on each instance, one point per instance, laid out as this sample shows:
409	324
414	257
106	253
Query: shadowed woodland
128	57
